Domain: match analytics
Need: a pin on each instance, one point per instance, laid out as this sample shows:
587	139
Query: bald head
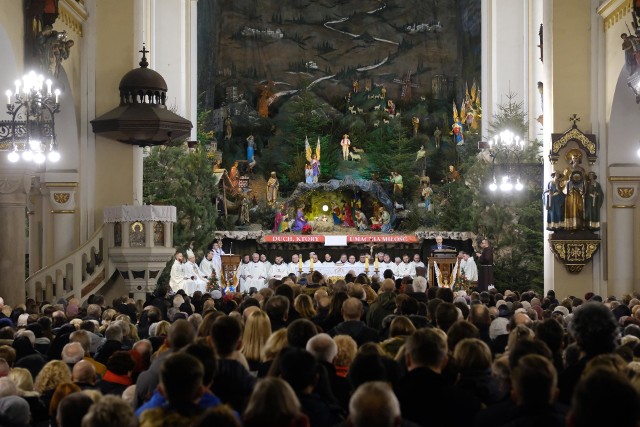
323	347
72	353
352	309
84	372
374	405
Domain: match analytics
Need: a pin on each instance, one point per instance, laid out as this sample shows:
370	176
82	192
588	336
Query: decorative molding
623	206
612	11
587	142
574	251
624	178
61	184
63	211
61	198
73	14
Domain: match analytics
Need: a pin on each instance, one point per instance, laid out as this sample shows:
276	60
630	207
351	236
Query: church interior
386	170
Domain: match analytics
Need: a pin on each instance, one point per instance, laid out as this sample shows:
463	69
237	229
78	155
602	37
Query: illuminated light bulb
519	186
54	156
13	156
325	208
493	186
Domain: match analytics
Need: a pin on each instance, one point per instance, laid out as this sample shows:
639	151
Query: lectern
446	260
230	265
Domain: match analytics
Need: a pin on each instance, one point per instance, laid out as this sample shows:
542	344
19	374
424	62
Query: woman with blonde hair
347	350
273	403
304	306
256	333
276	342
24	381
51	376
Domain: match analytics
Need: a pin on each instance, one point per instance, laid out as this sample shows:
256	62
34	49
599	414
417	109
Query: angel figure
421	153
313	159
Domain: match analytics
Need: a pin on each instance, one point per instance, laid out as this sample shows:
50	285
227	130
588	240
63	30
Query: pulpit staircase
83	272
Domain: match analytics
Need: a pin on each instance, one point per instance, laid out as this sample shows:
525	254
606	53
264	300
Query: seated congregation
357	353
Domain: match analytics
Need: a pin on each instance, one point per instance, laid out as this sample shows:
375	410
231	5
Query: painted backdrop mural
315	90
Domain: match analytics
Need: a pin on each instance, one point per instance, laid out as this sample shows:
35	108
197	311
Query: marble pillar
15	184
62	198
624	196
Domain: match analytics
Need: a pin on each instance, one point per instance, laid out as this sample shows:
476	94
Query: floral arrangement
306	229
461	283
214	283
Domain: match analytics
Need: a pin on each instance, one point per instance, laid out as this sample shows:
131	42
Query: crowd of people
354	352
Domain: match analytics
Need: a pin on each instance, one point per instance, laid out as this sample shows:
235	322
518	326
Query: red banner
294	238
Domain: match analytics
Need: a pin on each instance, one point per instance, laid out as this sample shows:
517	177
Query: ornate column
624	196
62	197
14	188
34	210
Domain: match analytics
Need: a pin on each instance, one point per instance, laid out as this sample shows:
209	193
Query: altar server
328	263
267	263
217	259
417	262
387	264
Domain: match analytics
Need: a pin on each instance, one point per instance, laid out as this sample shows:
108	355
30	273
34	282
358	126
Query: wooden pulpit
230	265
446	260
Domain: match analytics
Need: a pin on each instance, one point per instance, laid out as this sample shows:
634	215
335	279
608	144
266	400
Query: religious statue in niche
136	235
272	189
573	199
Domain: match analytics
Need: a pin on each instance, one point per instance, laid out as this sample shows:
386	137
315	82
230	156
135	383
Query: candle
366	263
311	263
300	263
57	92
49	87
8	93
375	264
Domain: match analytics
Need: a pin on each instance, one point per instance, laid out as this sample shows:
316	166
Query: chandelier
508	146
30	133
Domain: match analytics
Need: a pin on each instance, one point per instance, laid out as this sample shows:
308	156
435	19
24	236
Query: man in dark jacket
352	325
383	306
425	358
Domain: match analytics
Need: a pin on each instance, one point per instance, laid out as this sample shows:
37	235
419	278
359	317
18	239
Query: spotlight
325	208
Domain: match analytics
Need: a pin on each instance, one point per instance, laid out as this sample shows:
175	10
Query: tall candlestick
300	263
311	263
366	264
376	264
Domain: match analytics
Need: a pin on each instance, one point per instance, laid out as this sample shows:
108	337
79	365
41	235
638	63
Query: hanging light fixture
30	133
509	146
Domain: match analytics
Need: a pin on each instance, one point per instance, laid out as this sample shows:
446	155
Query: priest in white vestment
254	273
178	275
294	265
279	270
387	264
417	262
206	265
406	268
196	280
217	259
328	263
266	262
